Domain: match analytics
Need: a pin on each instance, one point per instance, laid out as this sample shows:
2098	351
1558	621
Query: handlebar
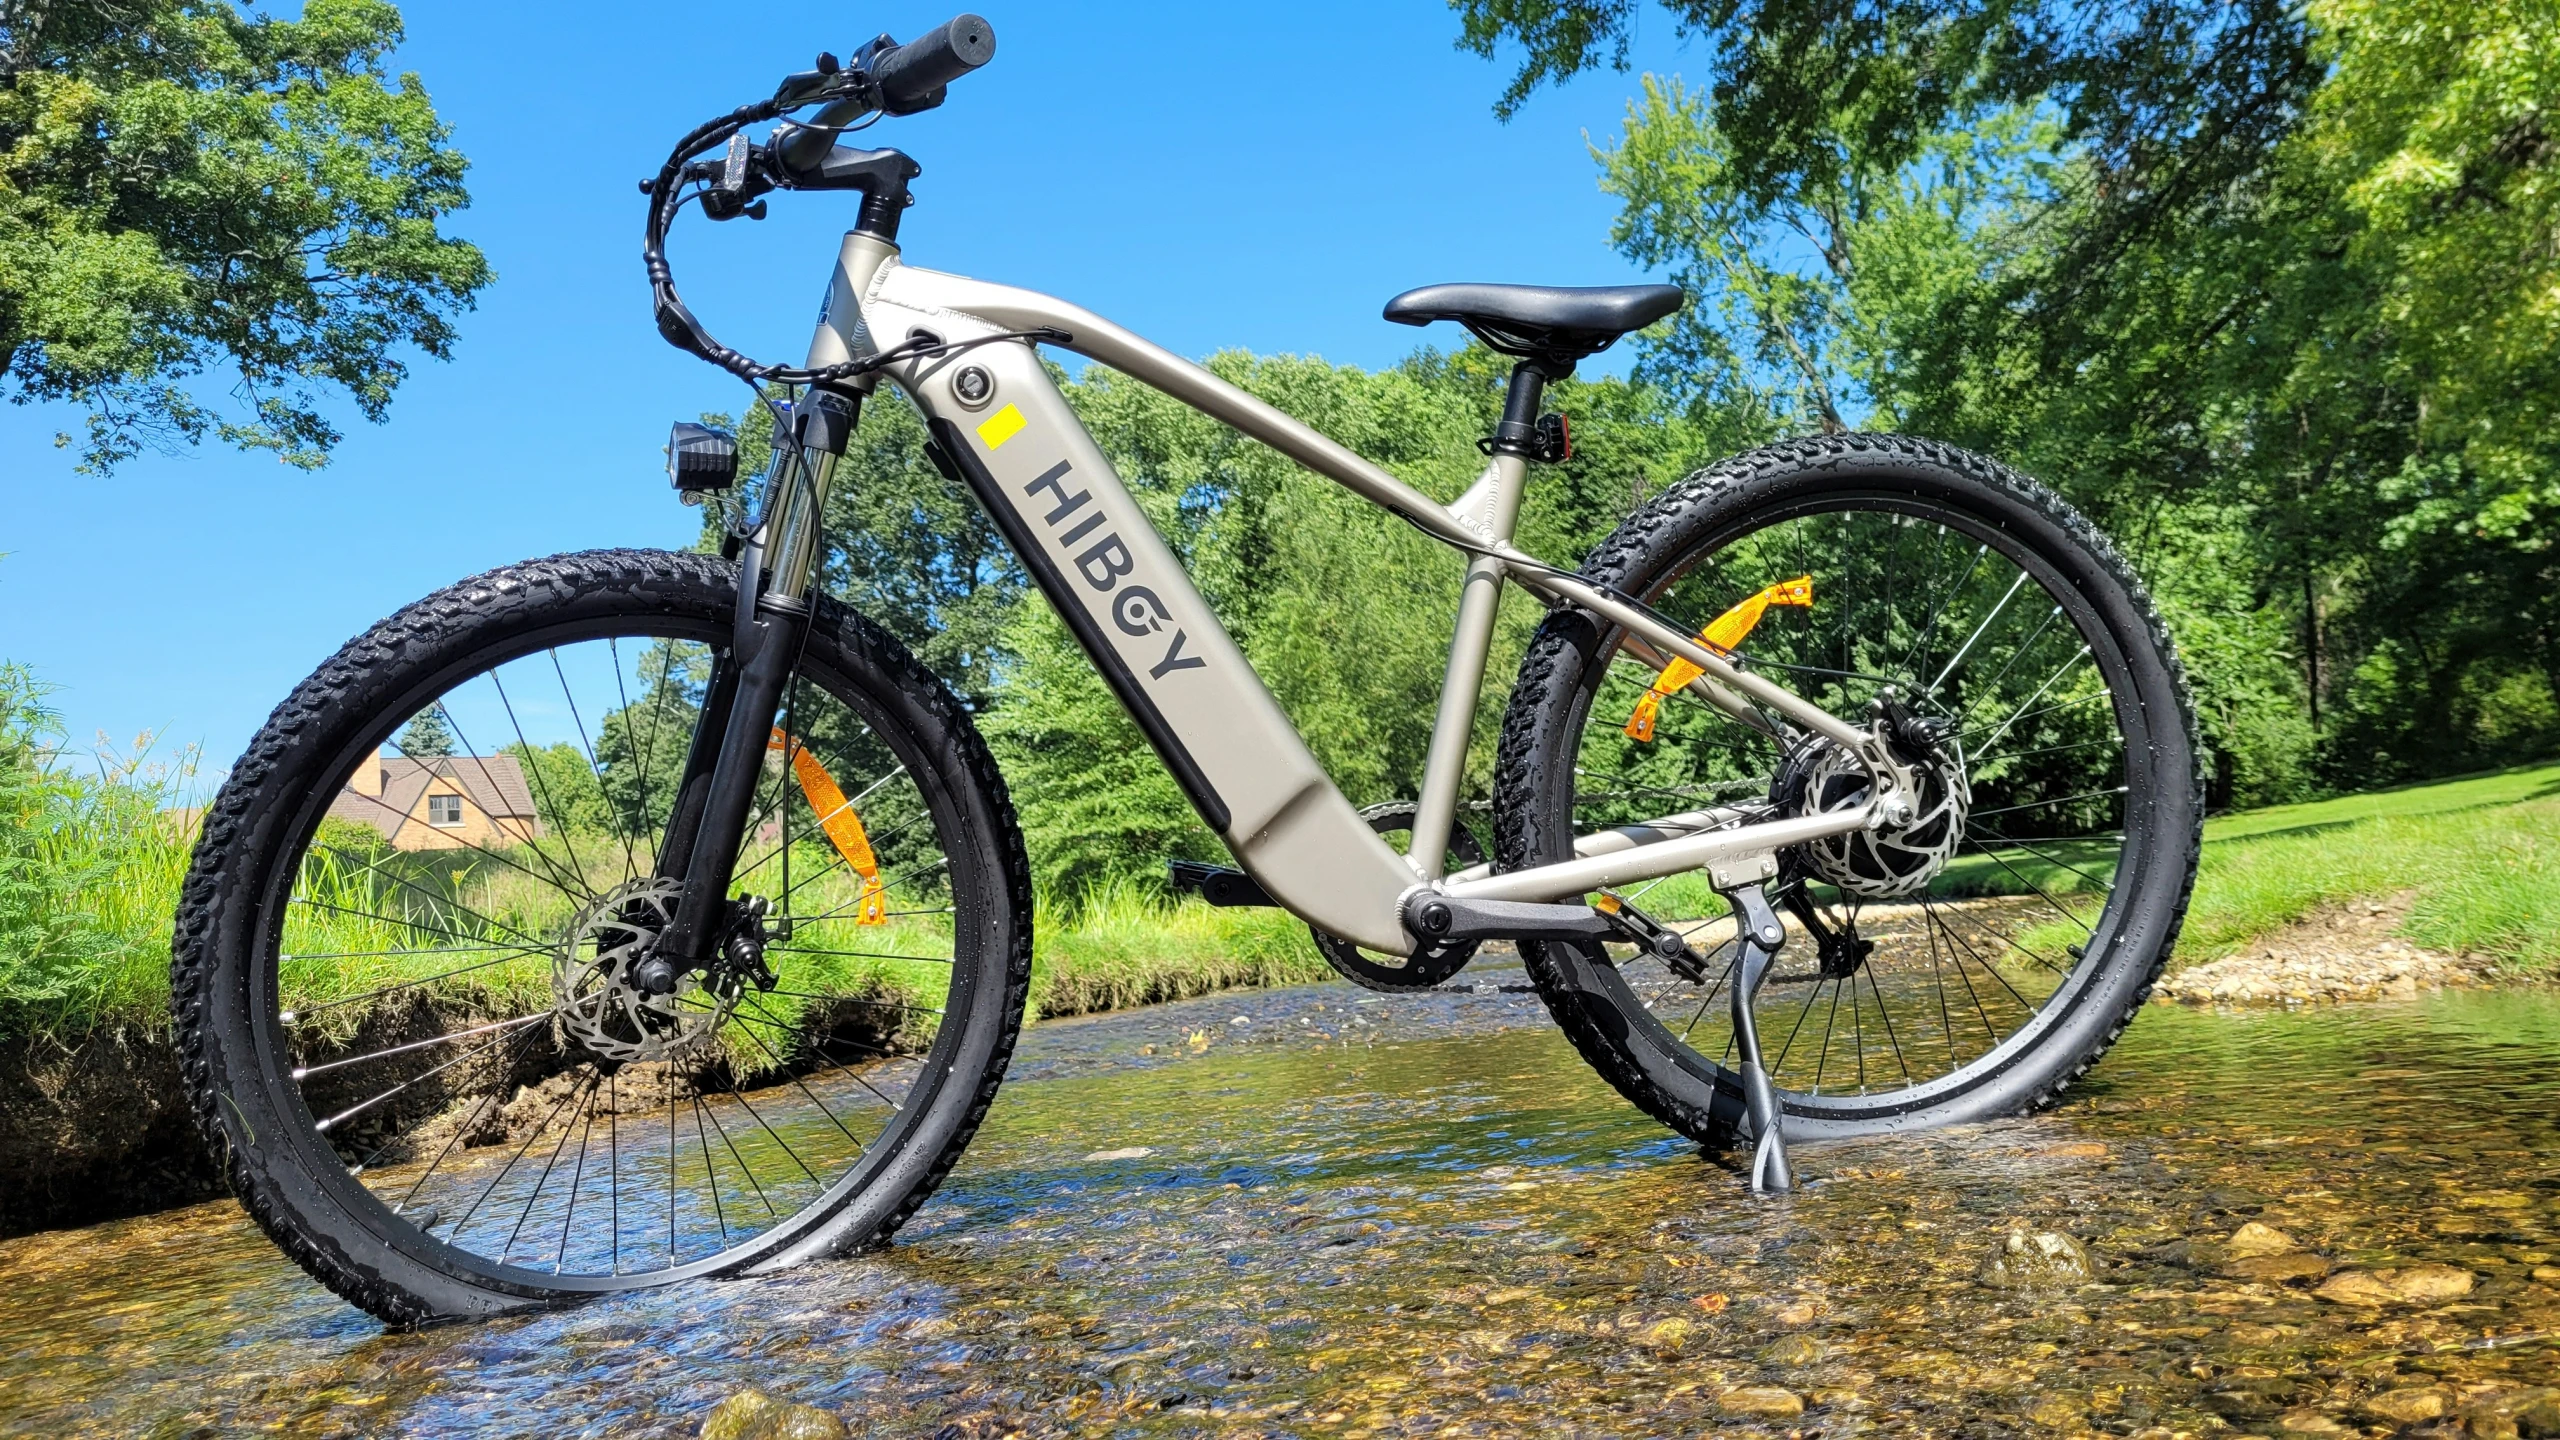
912	76
883	78
904	79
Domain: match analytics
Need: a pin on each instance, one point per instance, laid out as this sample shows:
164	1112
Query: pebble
2037	1257
2335	955
2312	1422
1761	1402
2058	1412
1791	1351
1134	1152
754	1415
2277	1269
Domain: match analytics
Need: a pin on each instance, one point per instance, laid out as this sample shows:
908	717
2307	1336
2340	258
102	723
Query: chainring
1433	964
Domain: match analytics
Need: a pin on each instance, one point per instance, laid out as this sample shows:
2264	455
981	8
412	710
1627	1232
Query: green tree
185	189
568	795
425	737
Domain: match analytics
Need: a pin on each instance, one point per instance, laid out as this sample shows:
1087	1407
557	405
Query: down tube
1155	640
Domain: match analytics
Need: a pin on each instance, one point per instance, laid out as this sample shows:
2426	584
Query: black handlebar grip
911	77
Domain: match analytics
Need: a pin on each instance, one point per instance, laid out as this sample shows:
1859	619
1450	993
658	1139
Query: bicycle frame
1135	612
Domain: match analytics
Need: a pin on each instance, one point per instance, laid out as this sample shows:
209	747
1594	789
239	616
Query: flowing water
1316	1211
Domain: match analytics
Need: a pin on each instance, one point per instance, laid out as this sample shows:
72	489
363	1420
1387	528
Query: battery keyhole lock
973	386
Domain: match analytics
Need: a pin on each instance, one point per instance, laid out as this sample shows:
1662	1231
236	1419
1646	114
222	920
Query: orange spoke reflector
1721	636
843	827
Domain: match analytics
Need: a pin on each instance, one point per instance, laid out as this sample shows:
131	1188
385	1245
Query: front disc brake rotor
1433	964
598	1002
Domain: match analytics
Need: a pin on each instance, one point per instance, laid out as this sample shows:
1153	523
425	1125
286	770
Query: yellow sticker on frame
1001	426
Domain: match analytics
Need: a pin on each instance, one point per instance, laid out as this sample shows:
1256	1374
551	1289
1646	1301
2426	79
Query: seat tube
1493	505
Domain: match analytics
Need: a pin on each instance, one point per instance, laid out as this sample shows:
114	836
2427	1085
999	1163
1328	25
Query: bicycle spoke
2058	907
544	1179
577	1177
595	770
306	1071
553	873
1967	648
541	787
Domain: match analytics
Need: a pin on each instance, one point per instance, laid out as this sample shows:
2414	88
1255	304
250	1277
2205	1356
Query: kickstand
1756	945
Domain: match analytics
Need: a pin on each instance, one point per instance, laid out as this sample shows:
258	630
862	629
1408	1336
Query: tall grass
1120	946
92	852
90	858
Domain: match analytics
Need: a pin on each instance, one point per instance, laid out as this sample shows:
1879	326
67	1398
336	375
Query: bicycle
752	881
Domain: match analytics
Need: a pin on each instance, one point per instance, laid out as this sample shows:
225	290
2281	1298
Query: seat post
1518	431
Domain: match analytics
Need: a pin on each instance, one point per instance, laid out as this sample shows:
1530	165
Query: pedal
1659	940
1217	884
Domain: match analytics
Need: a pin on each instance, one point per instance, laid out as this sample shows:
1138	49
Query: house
443	802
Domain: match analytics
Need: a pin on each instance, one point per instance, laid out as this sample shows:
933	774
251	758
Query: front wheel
406	954
1970	963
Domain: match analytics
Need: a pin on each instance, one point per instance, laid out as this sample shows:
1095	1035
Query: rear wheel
1968	964
405	953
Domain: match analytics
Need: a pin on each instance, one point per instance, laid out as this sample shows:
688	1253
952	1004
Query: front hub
599	1002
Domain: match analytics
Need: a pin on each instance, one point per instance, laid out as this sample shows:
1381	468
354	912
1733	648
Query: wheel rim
1974	630
420	986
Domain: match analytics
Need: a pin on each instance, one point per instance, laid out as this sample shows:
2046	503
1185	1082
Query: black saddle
1558	324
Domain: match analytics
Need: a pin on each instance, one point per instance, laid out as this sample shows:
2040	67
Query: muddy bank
95	1128
2336	954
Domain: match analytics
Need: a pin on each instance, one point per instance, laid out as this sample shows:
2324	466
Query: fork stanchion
1756	946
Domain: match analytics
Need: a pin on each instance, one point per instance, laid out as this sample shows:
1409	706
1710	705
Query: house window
444	811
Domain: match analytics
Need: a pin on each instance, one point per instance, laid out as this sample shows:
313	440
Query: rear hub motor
1894	861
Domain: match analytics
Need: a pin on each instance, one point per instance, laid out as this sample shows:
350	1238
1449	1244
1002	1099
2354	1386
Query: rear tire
245	1051
1558	747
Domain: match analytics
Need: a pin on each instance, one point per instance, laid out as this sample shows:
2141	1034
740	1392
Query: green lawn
2482	853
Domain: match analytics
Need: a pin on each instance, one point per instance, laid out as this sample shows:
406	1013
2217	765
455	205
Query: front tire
1965	587
398	1012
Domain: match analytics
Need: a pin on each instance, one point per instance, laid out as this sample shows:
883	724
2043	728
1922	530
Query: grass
2482	853
90	865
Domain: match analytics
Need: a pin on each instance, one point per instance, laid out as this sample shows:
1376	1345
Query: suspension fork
725	762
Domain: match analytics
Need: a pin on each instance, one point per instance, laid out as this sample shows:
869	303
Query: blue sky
1211	176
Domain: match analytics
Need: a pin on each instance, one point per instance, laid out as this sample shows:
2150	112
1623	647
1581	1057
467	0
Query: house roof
494	783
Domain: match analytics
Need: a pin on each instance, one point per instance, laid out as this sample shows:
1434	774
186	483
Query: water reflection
1405	1216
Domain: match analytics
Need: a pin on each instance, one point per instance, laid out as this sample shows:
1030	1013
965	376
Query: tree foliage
2271	292
186	190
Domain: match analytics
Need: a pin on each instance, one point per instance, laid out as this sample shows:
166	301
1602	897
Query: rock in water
2282	1269
2420	1284
2059	1412
2410	1285
1761	1402
2409	1405
2035	1258
754	1415
1792	1351
2256	1239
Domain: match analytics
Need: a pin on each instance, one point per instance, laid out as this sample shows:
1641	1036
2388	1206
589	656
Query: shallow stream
1315	1211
